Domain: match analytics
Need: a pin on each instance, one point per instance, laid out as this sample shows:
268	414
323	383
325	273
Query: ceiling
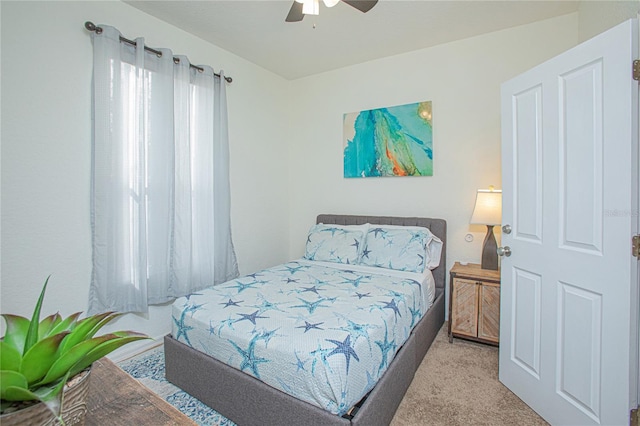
341	36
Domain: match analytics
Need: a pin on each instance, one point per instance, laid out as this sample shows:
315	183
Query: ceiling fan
312	7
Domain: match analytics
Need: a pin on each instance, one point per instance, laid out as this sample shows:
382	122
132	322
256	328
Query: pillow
402	248
335	243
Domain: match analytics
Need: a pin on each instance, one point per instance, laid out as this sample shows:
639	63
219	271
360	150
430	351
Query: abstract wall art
393	141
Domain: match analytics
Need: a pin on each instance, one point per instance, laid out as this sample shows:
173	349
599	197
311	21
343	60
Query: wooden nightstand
474	303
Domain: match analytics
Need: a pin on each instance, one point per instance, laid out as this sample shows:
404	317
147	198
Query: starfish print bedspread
322	334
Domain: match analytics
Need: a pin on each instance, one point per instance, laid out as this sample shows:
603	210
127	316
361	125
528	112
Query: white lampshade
330	3
488	208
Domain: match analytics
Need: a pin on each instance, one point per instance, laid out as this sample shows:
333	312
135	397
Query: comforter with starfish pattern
321	332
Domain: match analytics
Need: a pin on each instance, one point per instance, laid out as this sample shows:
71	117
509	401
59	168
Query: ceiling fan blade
361	5
295	13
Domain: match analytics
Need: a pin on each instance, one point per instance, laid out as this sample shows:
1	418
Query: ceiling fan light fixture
311	7
330	3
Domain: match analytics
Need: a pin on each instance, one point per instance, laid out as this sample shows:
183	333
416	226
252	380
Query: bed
241	394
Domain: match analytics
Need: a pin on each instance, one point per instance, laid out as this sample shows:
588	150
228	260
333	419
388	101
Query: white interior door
568	329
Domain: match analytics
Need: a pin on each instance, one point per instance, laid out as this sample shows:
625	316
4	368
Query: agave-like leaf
66	324
81	331
16	333
11	379
122	338
9	357
18	393
32	333
103	322
37	361
52	395
47	324
72	356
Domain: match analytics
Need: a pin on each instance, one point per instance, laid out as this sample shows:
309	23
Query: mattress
321	332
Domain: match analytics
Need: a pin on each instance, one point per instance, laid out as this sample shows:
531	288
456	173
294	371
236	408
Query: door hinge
635	246
636	70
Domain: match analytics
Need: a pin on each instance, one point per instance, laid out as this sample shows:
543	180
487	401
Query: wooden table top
115	398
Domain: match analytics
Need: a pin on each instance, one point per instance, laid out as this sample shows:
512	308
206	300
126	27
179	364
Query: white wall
45	155
46	152
462	79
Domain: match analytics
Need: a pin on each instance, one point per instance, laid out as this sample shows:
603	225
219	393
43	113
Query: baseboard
135	348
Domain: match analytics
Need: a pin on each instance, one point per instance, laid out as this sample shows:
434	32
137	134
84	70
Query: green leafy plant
38	357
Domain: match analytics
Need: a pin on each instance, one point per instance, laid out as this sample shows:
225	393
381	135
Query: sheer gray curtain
160	199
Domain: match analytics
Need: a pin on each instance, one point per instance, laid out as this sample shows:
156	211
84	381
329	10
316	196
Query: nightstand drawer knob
506	229
504	251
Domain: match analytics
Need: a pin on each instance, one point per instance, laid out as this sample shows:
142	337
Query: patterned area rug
148	368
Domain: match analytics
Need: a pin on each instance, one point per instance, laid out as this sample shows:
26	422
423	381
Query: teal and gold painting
393	141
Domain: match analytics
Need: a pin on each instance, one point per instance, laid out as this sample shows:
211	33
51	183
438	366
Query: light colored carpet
457	384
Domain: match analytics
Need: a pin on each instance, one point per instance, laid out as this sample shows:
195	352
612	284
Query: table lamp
488	211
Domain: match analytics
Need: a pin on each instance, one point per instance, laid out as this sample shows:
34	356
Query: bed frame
247	401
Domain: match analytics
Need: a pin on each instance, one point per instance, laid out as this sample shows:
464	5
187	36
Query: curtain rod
92	27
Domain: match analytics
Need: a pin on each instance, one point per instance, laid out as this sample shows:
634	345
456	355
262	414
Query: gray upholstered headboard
437	226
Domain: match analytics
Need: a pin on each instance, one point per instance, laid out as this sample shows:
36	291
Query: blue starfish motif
312	289
361	295
341	408
182	327
416	314
188	296
356	244
250	317
267	306
355	281
392	305
411	282
377	231
255	275
243	286
250	360
416	236
385	347
193	308
226	323
311	306
291	280
321	356
230	303
308	326
400	297
266	336
334	230
366	252
345	349
212	329
292	270
370	381
299	362
285	387
358	330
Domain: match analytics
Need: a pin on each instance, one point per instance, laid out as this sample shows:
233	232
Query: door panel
579	347
581	158
569	290
525	326
527	146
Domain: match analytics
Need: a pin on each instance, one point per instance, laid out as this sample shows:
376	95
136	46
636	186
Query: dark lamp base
489	251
